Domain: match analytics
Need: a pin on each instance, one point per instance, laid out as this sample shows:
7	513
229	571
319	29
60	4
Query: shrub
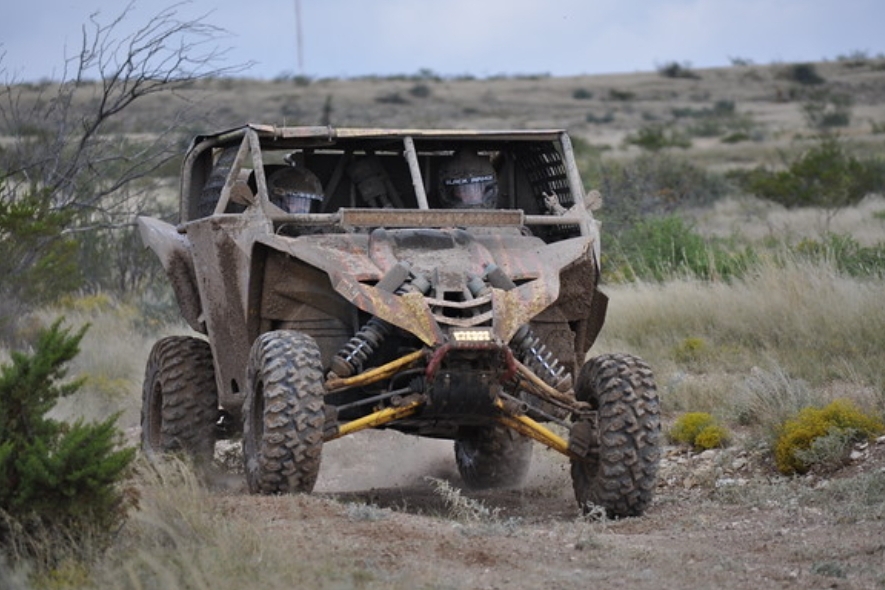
657	137
621	95
60	480
675	70
721	108
856	59
824	109
420	90
652	184
582	94
826	176
38	261
804	73
767	398
700	430
391	98
839	419
736	137
721	118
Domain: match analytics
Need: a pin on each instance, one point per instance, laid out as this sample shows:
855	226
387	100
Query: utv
441	283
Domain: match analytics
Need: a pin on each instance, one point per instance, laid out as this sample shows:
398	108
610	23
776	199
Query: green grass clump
845	253
658	249
700	430
840	418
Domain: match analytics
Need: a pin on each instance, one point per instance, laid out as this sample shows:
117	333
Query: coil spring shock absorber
351	358
528	347
353	355
534	354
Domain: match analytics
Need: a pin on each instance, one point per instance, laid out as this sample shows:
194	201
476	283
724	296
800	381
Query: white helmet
468	181
295	189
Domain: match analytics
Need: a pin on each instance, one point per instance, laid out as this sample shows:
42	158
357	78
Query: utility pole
298	35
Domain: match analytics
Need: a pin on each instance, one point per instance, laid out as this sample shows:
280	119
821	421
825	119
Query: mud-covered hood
447	260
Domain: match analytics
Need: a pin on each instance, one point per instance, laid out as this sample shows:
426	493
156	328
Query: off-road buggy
373	306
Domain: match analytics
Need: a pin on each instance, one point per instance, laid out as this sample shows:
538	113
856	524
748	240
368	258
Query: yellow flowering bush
798	434
700	430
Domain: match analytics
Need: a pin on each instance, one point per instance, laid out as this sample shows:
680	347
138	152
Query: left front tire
283	414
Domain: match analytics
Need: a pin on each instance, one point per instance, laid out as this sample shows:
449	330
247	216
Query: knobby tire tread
620	474
180	399
283	415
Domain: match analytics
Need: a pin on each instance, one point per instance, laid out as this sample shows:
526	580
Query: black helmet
468	181
295	189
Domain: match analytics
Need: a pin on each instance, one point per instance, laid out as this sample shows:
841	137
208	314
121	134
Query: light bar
472	335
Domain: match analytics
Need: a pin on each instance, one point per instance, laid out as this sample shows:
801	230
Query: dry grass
182	537
803	317
756	351
754	219
112	356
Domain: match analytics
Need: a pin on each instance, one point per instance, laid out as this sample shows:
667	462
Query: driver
468	181
295	189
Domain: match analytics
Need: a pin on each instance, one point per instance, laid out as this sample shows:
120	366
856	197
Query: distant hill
731	116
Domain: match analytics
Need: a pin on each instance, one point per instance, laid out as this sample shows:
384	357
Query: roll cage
529	165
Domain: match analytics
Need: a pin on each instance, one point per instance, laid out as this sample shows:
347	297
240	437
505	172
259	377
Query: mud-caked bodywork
354	296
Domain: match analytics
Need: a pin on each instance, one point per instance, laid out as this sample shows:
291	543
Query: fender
174	251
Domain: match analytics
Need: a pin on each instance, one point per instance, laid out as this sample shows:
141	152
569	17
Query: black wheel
492	457
620	473
180	399
283	415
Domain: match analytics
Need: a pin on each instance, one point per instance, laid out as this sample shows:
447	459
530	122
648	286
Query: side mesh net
545	170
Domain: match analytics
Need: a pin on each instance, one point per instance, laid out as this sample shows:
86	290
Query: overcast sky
346	38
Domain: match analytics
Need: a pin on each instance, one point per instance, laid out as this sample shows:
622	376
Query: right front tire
620	473
283	413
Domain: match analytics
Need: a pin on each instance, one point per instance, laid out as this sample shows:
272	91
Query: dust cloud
377	459
384	459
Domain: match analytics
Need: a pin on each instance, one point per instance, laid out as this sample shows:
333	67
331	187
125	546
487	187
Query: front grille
467	313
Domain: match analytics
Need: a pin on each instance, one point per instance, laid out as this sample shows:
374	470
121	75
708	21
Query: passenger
468	181
295	189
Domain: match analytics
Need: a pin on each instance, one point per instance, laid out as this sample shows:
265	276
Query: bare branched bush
71	176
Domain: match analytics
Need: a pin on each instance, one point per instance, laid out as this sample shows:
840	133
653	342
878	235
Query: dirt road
721	520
